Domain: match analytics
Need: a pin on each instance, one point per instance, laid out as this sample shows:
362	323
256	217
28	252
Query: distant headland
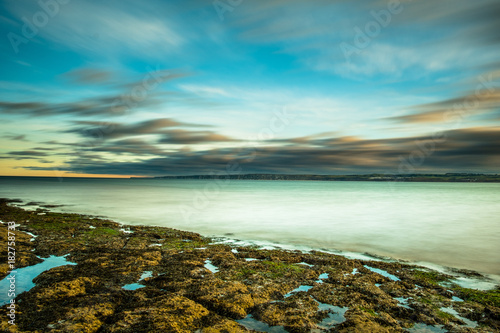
447	177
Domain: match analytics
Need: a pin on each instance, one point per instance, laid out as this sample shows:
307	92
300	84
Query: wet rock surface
279	291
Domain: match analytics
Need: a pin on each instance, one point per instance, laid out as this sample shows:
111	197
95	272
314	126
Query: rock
181	295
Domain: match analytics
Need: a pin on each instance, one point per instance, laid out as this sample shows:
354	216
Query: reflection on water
298	289
253	324
208	265
381	272
424	328
468	322
22	278
453	224
135	286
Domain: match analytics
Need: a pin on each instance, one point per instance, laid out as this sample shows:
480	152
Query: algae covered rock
166	314
174	291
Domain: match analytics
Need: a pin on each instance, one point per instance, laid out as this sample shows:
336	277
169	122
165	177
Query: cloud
16	137
113	130
424	38
192	137
476	22
285	21
396	62
131	96
480	102
27	153
94	106
89	75
135	147
467	150
109	29
421	117
205	90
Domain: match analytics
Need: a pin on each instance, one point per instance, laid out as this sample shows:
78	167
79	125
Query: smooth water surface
452	224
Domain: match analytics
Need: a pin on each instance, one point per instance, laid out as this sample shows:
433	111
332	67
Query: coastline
198	283
360	217
448	264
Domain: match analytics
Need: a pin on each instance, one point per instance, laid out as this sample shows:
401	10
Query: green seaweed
425	300
445	315
429	277
52	225
102	232
488	297
369	311
244	273
180	244
279	269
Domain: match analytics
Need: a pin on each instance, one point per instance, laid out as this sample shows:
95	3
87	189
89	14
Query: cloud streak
114	130
468	150
130	97
480	102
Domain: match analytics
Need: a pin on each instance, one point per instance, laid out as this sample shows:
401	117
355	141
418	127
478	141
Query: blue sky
126	88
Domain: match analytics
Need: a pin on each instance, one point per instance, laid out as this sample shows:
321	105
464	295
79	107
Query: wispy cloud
108	29
205	90
28	153
463	107
16	137
123	98
89	75
314	31
113	130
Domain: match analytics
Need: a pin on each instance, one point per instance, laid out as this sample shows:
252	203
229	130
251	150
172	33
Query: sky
120	88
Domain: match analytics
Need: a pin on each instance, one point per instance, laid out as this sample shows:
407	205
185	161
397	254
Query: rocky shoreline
128	278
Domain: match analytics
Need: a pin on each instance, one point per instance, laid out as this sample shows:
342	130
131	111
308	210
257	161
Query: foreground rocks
194	284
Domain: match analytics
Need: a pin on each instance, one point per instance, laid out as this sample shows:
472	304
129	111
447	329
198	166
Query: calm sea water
451	224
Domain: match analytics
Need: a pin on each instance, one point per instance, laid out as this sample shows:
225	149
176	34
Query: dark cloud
130	146
143	92
24	155
286	20
475	22
43	148
89	76
114	105
487	15
27	153
15	137
113	130
12	107
192	137
468	150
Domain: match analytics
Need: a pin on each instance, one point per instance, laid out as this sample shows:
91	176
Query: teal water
21	279
451	224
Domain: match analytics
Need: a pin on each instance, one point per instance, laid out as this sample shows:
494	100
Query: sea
436	224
